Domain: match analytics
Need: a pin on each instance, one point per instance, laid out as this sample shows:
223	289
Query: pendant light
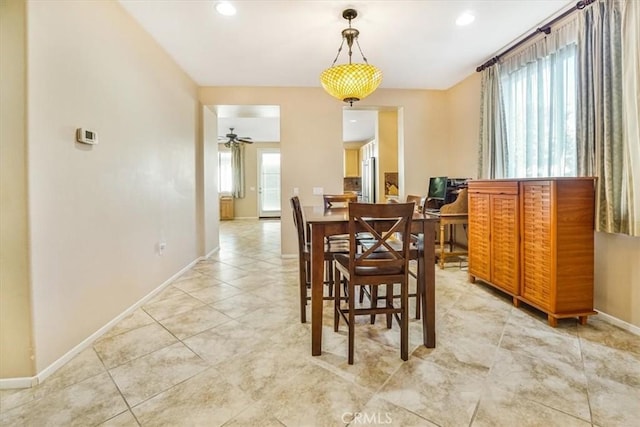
353	81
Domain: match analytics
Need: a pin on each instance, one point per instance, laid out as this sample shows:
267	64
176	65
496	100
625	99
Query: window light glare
225	8
465	18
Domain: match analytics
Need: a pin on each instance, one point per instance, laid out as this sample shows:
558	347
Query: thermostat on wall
86	136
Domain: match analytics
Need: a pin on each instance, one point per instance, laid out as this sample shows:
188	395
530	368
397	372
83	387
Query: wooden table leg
317	279
426	275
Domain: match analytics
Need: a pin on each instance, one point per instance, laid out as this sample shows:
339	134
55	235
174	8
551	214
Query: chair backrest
460	205
298	221
415	199
428	203
390	226
339	200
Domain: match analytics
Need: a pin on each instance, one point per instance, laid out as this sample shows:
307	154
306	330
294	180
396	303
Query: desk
336	221
447	220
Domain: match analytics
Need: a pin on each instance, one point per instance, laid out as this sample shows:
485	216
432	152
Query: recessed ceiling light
465	18
225	8
353	121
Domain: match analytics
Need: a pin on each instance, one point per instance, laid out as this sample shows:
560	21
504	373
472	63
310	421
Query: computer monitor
437	188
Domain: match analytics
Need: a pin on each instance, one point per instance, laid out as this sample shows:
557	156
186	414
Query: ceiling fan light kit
235	139
353	81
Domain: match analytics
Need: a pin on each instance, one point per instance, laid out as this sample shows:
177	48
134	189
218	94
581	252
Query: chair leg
373	290
303	267
404	321
418	299
336	301
352	321
389	303
330	277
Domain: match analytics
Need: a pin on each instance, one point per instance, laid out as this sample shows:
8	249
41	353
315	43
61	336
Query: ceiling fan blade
245	140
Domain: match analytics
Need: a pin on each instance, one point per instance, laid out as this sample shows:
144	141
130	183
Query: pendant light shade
353	81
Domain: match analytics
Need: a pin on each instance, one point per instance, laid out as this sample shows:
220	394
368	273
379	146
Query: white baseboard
23	382
210	254
26	382
619	323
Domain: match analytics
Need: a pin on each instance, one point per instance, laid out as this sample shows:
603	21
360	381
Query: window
540	116
225	175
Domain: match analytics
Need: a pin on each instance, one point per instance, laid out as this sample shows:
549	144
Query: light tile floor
223	345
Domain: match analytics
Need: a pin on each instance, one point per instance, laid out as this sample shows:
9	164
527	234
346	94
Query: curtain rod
546	28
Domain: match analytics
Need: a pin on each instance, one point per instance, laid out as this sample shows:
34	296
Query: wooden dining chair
384	262
332	201
415	199
372	293
338	200
304	258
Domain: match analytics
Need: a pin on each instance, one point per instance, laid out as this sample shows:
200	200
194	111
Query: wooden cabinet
226	207
352	162
557	246
533	238
493	234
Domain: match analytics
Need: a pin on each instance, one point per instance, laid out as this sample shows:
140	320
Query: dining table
326	222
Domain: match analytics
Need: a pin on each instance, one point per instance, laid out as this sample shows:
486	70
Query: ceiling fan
235	139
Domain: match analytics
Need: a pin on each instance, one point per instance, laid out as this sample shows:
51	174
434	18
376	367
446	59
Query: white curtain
631	108
539	87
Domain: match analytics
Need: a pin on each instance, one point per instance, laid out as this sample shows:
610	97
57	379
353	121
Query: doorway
373	136
268	183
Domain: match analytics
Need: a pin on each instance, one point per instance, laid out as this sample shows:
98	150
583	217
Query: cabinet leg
553	322
582	320
472	278
516	302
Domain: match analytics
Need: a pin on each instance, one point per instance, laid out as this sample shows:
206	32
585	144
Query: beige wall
15	309
423	135
98	212
247	207
617	270
464	128
617	276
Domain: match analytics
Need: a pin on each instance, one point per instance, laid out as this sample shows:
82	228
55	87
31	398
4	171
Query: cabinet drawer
493	186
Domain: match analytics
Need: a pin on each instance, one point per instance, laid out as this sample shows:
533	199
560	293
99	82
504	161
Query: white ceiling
416	43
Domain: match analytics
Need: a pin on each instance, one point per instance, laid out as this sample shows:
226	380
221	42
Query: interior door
269	183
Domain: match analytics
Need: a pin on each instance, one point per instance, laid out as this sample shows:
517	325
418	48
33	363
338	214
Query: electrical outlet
161	247
318	191
296	191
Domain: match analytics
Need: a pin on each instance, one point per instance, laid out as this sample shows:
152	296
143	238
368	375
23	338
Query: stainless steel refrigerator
369	180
